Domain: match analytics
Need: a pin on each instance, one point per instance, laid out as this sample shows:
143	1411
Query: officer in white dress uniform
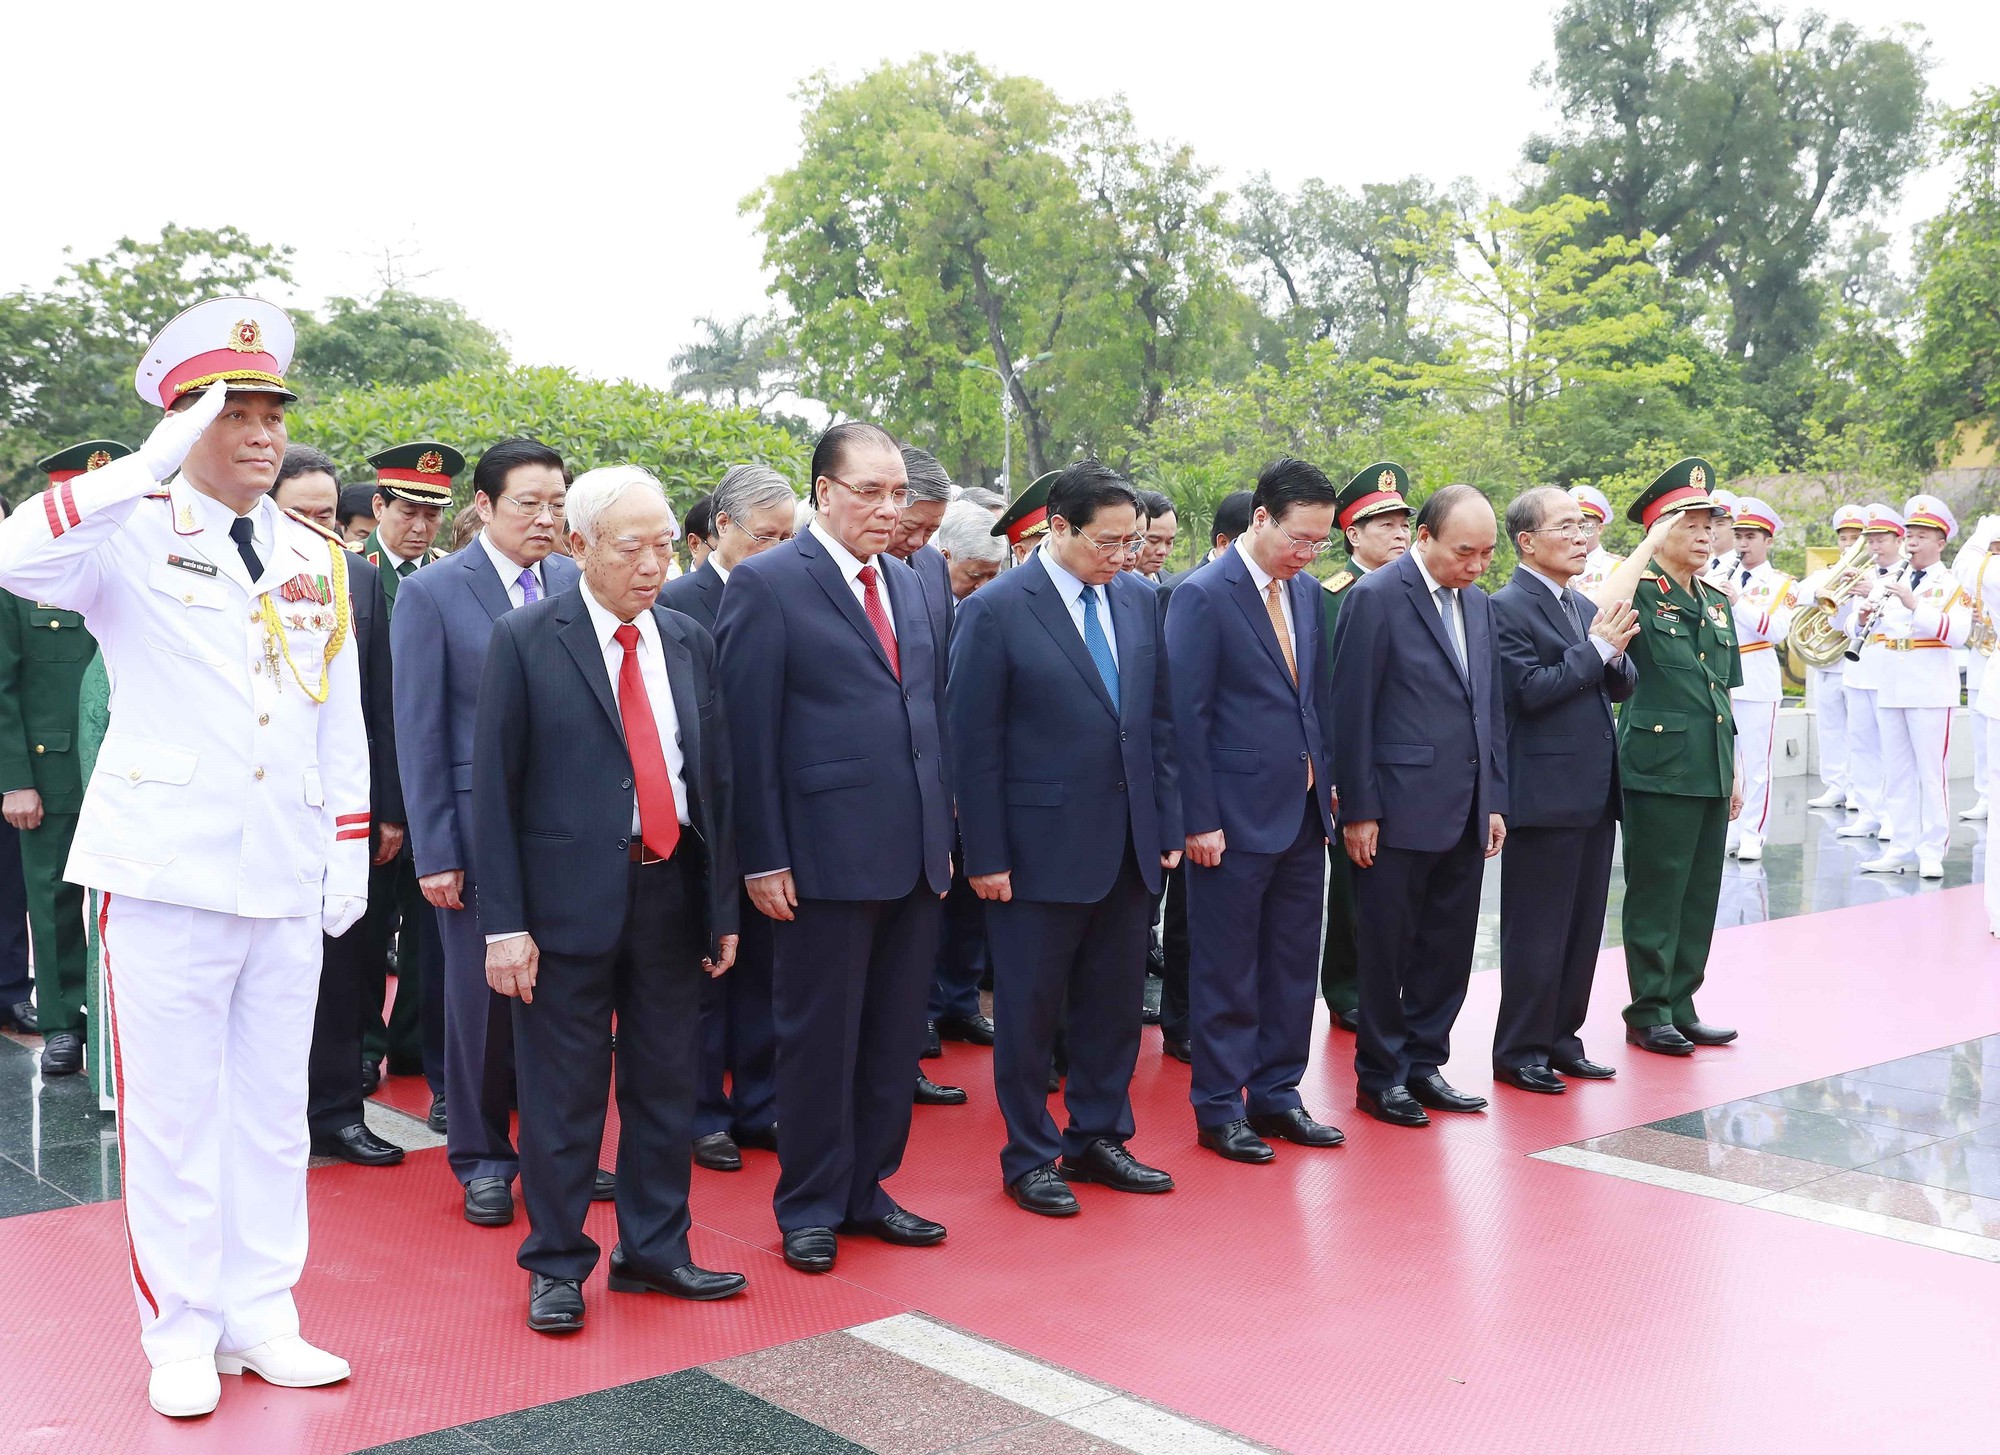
1599	563
1720	564
1924	615
1883	531
1823	691
1762	599
1986	704
1973	565
226	823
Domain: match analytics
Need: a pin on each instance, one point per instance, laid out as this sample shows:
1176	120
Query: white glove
340	913
175	435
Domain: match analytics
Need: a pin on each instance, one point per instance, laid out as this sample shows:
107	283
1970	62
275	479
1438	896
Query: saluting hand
175	435
1616	625
773	894
511	967
726	948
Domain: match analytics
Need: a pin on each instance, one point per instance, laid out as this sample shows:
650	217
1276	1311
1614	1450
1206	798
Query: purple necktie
530	593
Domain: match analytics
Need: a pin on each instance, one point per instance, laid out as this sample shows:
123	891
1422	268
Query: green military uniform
43	653
1378	490
421	473
1026	517
1677	764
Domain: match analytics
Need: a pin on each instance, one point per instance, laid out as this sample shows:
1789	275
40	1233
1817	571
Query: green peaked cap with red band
1028	516
419	472
81	459
1681	487
1377	490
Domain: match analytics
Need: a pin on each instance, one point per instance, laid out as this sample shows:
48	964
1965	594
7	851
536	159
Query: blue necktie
1095	642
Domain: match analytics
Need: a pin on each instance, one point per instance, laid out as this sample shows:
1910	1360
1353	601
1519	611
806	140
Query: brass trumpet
1814	639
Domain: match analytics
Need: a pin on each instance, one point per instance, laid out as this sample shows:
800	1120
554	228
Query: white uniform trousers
1756	726
1989	729
1829	703
1975	676
211	1023
1864	755
1914	743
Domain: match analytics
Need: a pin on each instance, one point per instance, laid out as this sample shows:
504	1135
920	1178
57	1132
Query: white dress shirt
510	574
850	568
218	518
1604	651
1261	579
1072	595
1454	620
715	565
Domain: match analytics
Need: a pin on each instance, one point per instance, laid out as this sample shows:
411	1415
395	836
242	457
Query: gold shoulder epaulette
1338	582
312	525
160	494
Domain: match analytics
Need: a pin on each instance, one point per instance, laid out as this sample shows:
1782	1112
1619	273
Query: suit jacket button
1121	737
624	843
627	783
919	752
1121	788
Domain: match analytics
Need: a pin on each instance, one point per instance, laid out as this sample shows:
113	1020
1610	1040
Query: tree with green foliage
745	363
395	337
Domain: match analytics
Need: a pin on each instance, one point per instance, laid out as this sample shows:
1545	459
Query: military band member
1374	521
1865	784
1823	690
1600	563
227	819
1676	758
1985	544
1722	558
1972	565
43	653
1762	599
1923	615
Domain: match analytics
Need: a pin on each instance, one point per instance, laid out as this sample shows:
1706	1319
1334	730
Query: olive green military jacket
1677	734
43	653
1332	592
372	552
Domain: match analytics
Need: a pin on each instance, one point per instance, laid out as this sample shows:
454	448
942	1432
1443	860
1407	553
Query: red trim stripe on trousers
118	1077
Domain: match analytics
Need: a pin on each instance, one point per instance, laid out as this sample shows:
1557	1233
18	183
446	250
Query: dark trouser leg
1704	888
333	1068
15	985
1339	968
404	1032
55	921
1440	963
385	908
1107	982
430	983
1586	936
902	962
711	1105
1035	945
1225	921
1661	830
479	1052
1286	939
818	978
658	973
1538	889
1174	946
753	1042
963	957
1393	888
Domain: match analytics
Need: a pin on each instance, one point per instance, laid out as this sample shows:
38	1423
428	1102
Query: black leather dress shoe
1661	1040
489	1202
603	1186
933	1047
62	1054
811	1250
555	1305
1703	1034
1236	1142
1395	1106
1044	1191
929	1093
1293	1125
1531	1078
1347	1020
436	1120
686	1281
1109	1164
1148	1016
902	1228
764	1139
975	1029
1181	1051
1438	1094
1582	1068
371	1076
718	1153
358	1145
20	1016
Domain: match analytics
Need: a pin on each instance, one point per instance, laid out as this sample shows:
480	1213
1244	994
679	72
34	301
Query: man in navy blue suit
1062	743
442	623
1420	745
753	510
1563	664
832	657
1244	633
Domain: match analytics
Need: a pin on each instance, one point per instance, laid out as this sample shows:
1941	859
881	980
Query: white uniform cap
243	343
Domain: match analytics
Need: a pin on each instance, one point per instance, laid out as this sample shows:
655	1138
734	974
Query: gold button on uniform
1658	728
259	773
133	775
40	749
55	626
188	600
1718	717
263	719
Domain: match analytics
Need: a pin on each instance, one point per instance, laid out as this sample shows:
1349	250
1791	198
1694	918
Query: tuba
1814	639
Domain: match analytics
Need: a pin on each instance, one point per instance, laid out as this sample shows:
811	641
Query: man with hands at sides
604	853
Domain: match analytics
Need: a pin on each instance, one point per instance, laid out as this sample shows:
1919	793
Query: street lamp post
1007	411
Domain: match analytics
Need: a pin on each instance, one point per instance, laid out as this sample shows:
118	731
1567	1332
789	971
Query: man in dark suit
1232	518
1563	664
833	663
308	488
605	860
753	510
1062	735
1420	745
443	622
1250	707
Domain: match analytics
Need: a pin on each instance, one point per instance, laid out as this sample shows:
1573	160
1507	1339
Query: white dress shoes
1930	869
1859	829
1832	798
184	1388
1751	848
1889	864
289	1361
1976	813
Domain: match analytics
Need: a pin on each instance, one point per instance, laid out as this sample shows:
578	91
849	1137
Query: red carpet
1414	1291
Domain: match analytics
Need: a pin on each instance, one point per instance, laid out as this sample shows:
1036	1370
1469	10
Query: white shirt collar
605	623
849	563
1545	580
509	572
1259	577
212	514
1067	584
714	563
1430	581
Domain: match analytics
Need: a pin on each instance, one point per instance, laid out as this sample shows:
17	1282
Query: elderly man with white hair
973	554
606	860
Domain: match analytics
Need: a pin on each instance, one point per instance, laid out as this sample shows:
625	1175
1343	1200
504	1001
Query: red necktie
659	820
878	617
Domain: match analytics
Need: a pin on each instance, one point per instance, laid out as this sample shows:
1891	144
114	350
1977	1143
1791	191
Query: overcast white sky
571	171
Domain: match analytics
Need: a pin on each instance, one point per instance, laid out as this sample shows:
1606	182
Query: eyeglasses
1574	529
764	543
1128	546
875	495
533	509
1304	544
